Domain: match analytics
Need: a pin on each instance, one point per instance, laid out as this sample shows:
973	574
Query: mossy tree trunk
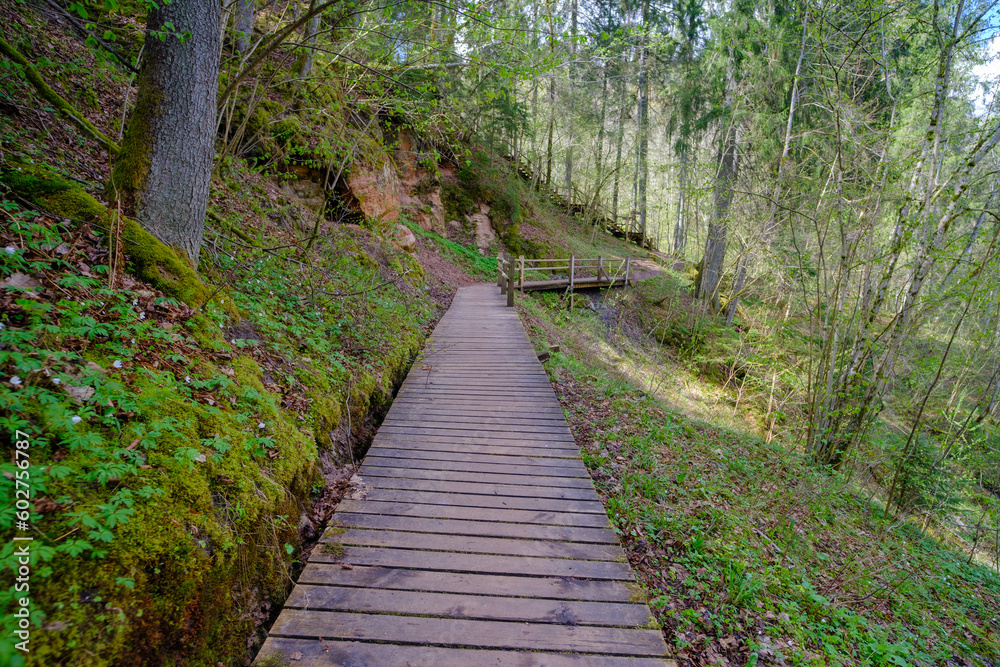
162	176
303	67
243	25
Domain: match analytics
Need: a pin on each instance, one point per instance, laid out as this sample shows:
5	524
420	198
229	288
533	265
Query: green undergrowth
747	552
470	259
174	449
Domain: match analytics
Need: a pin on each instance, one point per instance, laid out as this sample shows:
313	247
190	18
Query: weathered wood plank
434	445
481	607
500	546
460	632
375	458
477	477
476	457
325	653
516	490
485	500
525	531
475	514
478	563
559	588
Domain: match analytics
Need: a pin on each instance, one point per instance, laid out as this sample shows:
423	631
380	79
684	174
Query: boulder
404	238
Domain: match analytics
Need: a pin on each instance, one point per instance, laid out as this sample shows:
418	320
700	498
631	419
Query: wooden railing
524	275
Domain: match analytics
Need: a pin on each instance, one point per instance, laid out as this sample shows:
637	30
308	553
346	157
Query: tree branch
54	98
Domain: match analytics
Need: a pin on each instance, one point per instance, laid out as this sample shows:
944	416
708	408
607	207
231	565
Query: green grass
746	550
472	260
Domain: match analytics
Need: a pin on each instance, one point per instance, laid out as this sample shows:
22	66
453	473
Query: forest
229	227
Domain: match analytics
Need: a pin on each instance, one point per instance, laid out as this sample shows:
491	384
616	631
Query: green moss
332	549
149	259
325	413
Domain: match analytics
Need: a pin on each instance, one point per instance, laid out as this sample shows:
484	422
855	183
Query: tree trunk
725	178
680	230
599	153
305	63
163	174
618	152
243	25
642	166
552	103
569	115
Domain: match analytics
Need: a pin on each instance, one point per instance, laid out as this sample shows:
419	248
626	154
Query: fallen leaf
296	655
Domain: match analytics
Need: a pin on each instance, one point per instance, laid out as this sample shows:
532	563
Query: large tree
163	173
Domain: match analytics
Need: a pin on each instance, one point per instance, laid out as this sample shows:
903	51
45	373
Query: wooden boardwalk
479	539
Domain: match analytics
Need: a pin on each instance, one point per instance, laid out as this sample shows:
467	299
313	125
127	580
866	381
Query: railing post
500	271
521	277
510	284
600	268
628	264
572	270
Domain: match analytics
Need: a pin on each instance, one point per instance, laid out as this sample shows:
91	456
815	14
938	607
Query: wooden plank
484	500
433	445
385	450
559	588
474	434
525	531
375	458
481	607
460	632
475	514
477	477
325	653
478	418
501	490
465	544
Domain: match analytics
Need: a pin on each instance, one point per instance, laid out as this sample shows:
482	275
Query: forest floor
749	554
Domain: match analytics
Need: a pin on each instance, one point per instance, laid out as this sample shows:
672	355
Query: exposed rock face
422	201
308	193
377	191
483	228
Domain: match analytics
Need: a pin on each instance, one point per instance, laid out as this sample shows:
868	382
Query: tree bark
305	63
243	25
569	115
642	166
715	245
618	151
163	174
680	228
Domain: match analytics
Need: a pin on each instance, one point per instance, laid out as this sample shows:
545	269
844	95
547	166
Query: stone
404	238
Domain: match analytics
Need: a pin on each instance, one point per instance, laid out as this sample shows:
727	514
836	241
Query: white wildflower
15	380
118	363
135	302
261	425
10	250
76	420
56	380
187	378
142	316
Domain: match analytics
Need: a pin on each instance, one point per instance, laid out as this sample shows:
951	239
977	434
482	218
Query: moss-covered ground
175	443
